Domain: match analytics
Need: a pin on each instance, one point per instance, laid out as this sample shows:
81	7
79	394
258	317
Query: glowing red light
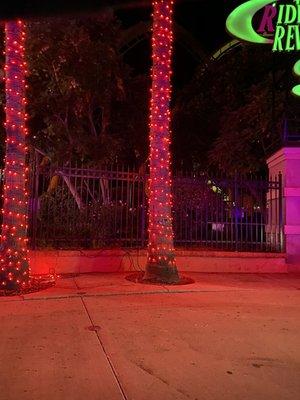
161	249
14	258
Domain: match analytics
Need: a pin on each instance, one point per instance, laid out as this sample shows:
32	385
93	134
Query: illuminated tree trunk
14	265
161	266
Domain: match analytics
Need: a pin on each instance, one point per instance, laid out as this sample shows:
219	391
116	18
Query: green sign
279	27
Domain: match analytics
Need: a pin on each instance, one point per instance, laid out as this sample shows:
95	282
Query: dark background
204	19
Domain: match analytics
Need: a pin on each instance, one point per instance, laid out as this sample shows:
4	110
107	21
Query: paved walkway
101	337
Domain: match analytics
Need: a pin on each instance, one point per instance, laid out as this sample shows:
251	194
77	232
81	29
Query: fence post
235	211
280	211
143	219
34	198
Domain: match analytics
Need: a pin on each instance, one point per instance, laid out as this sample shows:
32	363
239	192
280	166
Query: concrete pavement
100	336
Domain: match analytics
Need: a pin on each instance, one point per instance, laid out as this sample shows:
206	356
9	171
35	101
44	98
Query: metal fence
74	206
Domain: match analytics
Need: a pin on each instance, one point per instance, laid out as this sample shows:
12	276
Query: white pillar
287	162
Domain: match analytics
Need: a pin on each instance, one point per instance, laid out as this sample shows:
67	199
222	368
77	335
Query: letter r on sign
266	24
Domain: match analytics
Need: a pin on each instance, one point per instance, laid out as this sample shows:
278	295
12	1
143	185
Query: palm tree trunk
14	265
161	266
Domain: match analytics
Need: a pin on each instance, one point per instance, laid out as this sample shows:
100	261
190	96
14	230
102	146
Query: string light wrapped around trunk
14	264
161	265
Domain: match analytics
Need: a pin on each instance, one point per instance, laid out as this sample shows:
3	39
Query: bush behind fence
82	207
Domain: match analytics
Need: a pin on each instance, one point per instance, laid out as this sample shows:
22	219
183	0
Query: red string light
161	263
14	264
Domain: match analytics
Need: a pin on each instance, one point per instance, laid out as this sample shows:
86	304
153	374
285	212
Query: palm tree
14	265
161	266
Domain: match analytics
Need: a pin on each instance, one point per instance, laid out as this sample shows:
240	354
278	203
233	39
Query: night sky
204	19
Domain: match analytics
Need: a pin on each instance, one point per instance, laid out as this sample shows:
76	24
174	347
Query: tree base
33	285
138	277
161	274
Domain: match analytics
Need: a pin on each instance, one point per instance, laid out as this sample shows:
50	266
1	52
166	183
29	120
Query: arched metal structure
141	31
222	51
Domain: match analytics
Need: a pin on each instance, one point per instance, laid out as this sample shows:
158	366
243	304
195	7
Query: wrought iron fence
74	206
229	213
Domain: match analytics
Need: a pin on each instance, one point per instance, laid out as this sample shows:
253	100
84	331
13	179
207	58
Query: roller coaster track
142	31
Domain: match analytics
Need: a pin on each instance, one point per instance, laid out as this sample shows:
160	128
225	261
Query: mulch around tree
137	277
34	285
